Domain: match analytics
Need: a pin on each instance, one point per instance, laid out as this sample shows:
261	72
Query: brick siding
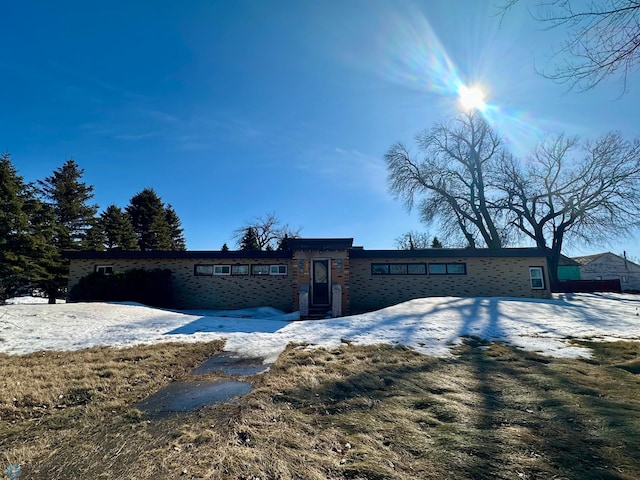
361	291
208	292
486	277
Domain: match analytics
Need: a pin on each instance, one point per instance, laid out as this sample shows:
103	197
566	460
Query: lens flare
410	54
472	98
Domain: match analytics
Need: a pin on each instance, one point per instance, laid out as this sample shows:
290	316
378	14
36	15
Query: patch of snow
28	300
429	325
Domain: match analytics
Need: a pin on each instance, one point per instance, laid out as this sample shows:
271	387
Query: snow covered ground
429	325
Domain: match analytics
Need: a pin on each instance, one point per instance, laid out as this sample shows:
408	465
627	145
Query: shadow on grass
492	412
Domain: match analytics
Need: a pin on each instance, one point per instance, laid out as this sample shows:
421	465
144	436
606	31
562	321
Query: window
222	269
447	269
416	269
203	270
240	270
456	268
277	270
537	279
379	269
104	269
259	269
398	269
437	269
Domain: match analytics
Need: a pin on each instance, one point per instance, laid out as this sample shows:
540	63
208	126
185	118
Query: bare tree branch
451	179
588	191
269	231
603	39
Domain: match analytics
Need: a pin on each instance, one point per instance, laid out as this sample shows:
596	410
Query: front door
320	283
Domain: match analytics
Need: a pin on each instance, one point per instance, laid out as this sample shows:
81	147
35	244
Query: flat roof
449	253
308	244
320	243
152	254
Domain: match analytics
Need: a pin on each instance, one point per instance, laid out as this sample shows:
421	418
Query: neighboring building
568	269
609	266
321	276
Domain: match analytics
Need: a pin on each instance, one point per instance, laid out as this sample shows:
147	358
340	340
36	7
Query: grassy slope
374	412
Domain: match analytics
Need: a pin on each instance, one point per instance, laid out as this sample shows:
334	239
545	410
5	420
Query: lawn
488	411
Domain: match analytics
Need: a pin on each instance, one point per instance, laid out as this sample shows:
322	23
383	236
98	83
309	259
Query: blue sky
233	109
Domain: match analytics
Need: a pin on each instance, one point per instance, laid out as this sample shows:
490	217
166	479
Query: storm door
320	283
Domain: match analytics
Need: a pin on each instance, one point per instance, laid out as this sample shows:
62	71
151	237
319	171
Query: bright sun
472	98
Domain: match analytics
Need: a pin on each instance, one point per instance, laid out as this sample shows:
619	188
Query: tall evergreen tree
175	229
26	233
117	229
69	197
14	222
94	238
436	243
51	274
249	240
149	219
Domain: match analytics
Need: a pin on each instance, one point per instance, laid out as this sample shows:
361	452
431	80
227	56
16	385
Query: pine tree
69	197
66	197
175	229
14	223
436	243
117	229
250	240
27	254
149	220
225	248
94	238
51	270
284	243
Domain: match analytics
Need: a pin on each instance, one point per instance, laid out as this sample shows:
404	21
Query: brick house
320	276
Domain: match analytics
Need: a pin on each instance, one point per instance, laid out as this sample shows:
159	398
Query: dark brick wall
208	292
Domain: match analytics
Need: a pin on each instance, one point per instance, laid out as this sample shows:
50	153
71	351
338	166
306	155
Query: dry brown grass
378	412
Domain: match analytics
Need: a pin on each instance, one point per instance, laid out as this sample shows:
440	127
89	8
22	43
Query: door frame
313	274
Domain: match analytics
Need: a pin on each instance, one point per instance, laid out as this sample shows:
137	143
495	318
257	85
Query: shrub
149	287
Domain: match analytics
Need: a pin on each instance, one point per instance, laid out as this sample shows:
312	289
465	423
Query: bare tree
413	240
269	231
588	191
603	39
452	179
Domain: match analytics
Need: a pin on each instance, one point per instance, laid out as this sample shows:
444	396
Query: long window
104	269
237	270
398	269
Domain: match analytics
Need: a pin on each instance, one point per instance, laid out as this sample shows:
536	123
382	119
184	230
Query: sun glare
471	98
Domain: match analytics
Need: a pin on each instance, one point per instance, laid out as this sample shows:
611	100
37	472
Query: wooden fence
587	286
